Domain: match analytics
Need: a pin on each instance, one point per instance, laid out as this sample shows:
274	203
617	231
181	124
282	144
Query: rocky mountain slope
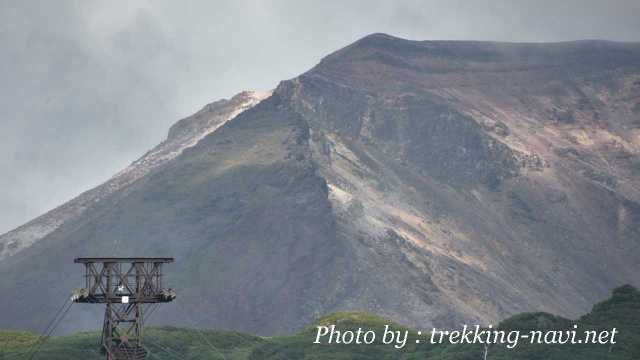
185	133
432	182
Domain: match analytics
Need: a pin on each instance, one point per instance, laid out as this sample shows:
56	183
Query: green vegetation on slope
621	311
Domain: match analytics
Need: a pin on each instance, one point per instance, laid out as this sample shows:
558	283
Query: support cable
52	327
195	327
66	348
43	335
46	329
150	352
168	350
148	315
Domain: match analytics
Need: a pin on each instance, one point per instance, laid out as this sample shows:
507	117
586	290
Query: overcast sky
86	87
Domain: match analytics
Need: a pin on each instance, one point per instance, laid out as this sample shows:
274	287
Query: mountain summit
432	182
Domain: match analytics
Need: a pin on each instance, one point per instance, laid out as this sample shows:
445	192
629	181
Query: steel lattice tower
123	284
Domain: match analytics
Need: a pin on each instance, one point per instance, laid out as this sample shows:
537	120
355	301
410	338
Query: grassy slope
622	311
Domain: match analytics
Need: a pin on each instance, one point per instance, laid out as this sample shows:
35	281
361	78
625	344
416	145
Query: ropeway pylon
123	284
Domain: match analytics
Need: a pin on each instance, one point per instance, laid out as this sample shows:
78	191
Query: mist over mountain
432	182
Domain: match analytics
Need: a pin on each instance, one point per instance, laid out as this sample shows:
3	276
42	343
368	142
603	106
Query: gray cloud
86	87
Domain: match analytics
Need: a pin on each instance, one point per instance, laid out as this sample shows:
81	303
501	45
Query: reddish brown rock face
430	182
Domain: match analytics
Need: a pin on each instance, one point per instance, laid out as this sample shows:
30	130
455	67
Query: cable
200	333
148	315
42	336
46	329
150	352
168	350
66	348
48	334
55	325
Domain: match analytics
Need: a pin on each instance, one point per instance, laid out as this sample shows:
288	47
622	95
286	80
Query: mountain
185	133
621	311
432	182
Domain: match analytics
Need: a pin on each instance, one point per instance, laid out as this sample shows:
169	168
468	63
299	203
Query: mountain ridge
388	180
183	134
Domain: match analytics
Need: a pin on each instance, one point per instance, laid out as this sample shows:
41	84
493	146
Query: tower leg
122	336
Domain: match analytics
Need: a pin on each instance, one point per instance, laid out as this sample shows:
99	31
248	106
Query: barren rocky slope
430	182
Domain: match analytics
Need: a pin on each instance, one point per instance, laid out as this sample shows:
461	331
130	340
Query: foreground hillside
431	182
621	311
